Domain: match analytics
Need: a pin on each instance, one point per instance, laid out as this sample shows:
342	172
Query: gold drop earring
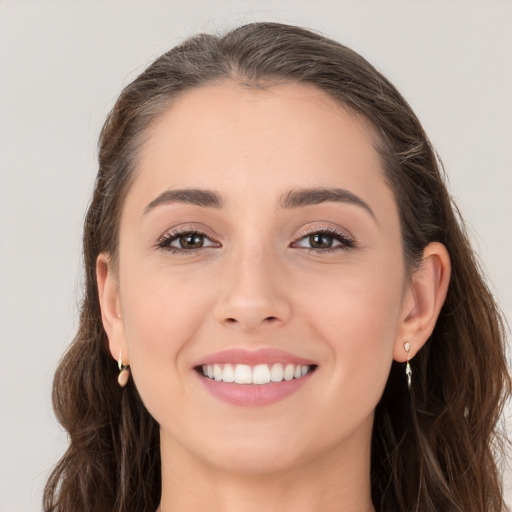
124	371
408	369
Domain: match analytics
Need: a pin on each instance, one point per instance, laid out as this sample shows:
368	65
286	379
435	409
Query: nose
252	293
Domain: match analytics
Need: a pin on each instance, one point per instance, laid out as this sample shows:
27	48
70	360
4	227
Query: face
259	241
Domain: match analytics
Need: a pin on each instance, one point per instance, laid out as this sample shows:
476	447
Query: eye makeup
186	241
324	238
190	240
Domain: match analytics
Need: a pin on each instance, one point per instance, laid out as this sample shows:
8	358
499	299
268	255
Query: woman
282	309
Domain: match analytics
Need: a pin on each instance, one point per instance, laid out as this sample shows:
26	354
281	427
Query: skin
257	284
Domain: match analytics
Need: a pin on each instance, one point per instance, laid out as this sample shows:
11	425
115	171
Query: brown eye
325	241
185	242
191	241
321	241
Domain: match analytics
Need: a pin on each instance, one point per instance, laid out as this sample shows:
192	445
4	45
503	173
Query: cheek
356	304
163	315
164	318
357	315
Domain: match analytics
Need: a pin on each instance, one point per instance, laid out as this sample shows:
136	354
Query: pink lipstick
254	378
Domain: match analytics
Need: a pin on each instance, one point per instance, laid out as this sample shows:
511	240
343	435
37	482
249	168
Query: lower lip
253	395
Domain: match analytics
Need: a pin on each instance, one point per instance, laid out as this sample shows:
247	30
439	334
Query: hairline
164	103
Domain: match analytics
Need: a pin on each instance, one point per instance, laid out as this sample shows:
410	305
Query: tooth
276	372
217	372
261	374
289	371
228	375
243	374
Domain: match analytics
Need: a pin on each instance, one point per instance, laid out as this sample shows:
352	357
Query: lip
253	357
253	395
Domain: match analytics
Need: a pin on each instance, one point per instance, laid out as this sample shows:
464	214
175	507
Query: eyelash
347	242
165	241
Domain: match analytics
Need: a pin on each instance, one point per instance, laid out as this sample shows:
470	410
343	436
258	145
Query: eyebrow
312	196
292	199
198	197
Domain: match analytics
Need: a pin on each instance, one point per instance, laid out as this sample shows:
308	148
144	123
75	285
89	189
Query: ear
423	300
110	304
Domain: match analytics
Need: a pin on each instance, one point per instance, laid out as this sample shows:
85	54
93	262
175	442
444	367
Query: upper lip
253	357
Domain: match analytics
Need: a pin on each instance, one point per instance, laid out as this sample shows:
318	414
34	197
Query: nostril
251	322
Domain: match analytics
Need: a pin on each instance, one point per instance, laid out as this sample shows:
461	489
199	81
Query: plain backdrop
62	64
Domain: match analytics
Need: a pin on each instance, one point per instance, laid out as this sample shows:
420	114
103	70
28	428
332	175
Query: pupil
320	240
191	241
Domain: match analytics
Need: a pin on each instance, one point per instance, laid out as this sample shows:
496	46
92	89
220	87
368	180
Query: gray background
62	65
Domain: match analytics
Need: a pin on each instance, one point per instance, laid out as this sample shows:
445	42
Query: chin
255	452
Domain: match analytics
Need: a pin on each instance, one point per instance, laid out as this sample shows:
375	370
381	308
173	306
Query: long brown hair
435	448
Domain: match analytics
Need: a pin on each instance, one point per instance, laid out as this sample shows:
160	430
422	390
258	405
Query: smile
251	378
259	374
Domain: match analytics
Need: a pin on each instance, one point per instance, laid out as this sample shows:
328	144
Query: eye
325	240
188	241
185	242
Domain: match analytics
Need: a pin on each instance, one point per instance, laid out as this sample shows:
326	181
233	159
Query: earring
124	371
408	369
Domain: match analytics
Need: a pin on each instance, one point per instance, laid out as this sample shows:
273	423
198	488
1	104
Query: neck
337	481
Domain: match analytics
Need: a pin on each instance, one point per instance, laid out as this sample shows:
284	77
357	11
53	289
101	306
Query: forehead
257	141
227	106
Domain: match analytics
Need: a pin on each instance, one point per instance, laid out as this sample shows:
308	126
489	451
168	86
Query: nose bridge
251	296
